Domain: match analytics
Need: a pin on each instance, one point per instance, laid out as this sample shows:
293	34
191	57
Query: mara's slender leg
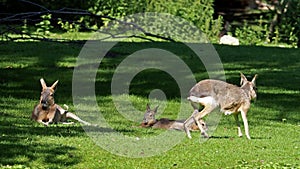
73	116
202	130
209	105
189	122
207	109
44	123
236	117
244	117
196	117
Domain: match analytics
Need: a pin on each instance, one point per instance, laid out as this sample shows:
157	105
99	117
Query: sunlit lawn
274	117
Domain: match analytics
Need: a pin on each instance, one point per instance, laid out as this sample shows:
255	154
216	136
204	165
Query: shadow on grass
21	145
16	152
228	137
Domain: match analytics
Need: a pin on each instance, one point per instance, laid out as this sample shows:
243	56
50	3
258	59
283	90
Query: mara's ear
243	79
54	85
254	79
148	107
43	83
155	110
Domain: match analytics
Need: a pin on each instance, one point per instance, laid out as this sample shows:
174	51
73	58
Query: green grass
274	117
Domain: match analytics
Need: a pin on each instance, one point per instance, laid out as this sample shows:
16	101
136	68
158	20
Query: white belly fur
203	100
228	112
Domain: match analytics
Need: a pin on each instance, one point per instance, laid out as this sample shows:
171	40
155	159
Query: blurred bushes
200	12
280	25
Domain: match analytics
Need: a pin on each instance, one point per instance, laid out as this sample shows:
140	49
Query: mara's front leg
42	122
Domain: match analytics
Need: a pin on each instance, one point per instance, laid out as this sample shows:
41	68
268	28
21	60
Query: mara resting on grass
164	123
47	112
231	99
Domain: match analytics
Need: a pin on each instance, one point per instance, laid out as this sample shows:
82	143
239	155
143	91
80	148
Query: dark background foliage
265	21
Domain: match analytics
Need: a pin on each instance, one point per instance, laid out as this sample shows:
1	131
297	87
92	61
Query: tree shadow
231	138
50	153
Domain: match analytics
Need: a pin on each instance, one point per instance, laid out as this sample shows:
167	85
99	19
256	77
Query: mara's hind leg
209	106
200	126
191	120
188	122
73	116
64	115
240	134
207	109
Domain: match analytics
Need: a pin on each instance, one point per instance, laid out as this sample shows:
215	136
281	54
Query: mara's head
149	116
249	86
47	94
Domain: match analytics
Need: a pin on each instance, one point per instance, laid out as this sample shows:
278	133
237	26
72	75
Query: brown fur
47	112
164	123
229	98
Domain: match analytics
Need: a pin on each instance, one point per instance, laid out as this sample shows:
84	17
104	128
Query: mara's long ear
243	79
54	85
43	83
148	107
155	110
254	79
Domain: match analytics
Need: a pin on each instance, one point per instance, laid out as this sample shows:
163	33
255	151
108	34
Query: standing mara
229	98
